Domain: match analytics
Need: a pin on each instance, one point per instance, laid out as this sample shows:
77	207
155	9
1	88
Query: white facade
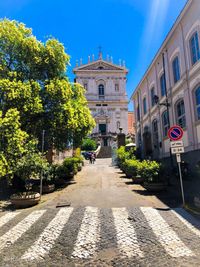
105	85
181	52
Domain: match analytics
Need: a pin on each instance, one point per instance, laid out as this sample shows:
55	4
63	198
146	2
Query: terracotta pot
24	201
155	187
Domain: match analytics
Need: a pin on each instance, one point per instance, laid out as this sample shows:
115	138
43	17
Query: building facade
131	126
169	92
105	85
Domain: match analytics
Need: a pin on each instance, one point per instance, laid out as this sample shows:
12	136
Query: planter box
25	201
48	188
138	180
197	202
155	187
45	188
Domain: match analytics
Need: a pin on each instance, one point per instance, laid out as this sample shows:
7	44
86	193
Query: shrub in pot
29	166
131	167
122	155
48	181
149	170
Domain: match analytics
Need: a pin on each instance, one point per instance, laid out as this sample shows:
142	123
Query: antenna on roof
111	59
92	57
88	59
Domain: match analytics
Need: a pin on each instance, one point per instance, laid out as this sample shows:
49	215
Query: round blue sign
175	133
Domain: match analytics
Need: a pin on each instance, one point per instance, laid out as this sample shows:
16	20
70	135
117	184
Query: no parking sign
175	133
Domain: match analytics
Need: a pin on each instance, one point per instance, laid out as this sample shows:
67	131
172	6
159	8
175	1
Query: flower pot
25	200
60	182
138	180
48	188
79	167
155	187
197	202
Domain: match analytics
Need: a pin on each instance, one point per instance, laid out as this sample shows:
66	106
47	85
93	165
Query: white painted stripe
7	217
126	236
18	230
166	236
88	236
48	237
189	225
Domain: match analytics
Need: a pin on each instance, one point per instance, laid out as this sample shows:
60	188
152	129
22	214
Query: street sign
175	133
176	143
177	150
178	158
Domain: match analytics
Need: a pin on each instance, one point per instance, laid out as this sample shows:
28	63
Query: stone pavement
93	236
101	185
107	224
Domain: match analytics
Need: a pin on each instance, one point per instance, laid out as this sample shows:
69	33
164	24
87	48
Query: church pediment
100	65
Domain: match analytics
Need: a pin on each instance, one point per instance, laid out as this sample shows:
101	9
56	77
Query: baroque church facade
105	86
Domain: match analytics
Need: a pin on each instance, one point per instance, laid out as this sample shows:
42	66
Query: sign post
175	134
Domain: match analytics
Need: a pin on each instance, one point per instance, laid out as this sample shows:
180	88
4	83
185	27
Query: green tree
33	81
88	144
12	141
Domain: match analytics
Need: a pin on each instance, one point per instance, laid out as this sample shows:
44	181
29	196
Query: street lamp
156	100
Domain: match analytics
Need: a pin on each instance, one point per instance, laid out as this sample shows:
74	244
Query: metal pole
181	181
41	177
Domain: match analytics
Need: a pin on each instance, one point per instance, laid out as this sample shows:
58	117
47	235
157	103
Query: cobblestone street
107	224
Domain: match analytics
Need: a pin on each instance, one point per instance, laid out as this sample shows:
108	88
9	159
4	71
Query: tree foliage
36	95
88	145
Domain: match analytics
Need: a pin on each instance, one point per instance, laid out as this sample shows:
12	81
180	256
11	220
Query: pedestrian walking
93	158
90	158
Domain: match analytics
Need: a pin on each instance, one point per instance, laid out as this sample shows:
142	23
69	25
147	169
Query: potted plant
130	167
28	168
149	170
48	181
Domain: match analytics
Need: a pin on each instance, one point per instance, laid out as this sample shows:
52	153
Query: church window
105	105
98	105
117	87
85	86
101	91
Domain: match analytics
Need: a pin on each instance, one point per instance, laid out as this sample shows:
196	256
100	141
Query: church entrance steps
105	152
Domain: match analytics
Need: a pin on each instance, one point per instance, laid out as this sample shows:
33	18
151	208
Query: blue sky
131	30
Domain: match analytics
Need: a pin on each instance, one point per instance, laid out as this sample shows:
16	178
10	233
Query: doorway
102	129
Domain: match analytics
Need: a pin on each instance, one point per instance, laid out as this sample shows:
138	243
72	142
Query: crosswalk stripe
166	236
126	236
88	236
18	230
7	217
48	237
189	225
